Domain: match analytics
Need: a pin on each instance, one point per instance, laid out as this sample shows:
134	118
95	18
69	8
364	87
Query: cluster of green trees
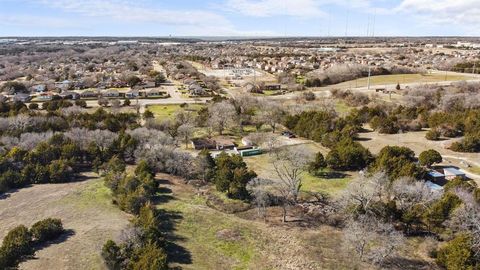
231	176
397	162
58	160
229	173
144	248
54	161
333	132
457	123
130	192
20	241
12	108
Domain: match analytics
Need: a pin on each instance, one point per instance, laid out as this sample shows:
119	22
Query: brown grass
84	207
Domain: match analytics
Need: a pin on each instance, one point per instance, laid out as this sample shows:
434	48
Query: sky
239	18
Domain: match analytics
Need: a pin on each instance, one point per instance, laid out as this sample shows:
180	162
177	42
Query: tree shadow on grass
169	220
331	175
176	253
39	246
401	263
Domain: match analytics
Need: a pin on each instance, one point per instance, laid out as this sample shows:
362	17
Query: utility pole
474	67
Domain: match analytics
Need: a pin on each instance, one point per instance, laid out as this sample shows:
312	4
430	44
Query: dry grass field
86	211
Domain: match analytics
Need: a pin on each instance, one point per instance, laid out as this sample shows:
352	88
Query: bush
81	103
318	164
429	157
16	244
397	162
33	106
47	229
232	176
111	254
440	211
349	155
151	257
433	135
457	254
309	96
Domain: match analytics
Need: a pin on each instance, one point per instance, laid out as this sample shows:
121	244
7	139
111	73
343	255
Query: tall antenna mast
368	26
374	21
329	20
285	21
346	24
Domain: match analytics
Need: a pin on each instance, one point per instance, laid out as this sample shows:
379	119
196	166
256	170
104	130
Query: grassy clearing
168	111
262	166
405	78
199	227
251	244
341	107
331	186
94	194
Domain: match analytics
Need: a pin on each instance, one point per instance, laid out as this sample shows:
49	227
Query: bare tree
260	192
222	116
409	192
371	239
289	164
365	191
467	218
185	131
271	113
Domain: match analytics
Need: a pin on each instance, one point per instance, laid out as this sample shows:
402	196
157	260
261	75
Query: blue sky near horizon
239	17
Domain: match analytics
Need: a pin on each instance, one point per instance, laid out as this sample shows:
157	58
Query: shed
452	173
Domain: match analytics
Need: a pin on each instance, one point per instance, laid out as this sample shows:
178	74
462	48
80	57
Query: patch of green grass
332	186
342	108
199	227
168	111
95	194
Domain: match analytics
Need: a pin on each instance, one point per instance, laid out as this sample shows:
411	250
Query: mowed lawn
406	78
168	111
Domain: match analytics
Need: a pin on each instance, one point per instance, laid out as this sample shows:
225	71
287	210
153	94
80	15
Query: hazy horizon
239	18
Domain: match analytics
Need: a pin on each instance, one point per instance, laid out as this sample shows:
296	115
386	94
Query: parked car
288	134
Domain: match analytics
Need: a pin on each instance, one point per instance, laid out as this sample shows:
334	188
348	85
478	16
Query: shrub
111	254
397	162
429	157
457	254
16	244
349	155
433	135
151	257
309	96
33	106
317	164
47	229
81	103
232	176
441	210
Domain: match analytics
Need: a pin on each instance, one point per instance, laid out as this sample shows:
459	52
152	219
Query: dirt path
86	211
